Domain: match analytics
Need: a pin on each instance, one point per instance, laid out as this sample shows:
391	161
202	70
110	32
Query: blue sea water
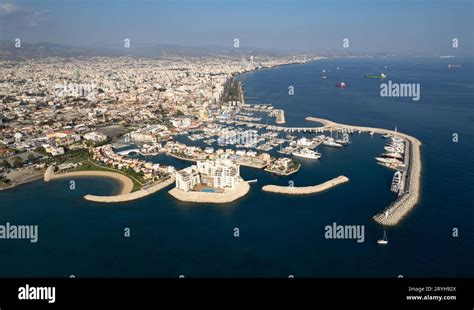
282	235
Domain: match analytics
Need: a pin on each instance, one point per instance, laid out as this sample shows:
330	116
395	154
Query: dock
251	163
283	173
409	196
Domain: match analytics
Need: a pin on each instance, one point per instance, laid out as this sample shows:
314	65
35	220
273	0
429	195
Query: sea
271	235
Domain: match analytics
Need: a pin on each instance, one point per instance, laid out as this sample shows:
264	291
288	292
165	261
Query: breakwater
305	190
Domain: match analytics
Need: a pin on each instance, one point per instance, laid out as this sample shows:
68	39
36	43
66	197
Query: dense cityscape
61	111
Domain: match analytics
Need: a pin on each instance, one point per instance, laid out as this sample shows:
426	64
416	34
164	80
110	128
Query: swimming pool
208	190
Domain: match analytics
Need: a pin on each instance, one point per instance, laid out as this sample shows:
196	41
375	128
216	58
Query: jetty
409	195
411	179
305	190
143	192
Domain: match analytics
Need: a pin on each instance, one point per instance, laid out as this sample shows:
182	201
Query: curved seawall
145	191
402	206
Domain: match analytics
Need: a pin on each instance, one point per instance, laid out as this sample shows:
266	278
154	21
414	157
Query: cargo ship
374	76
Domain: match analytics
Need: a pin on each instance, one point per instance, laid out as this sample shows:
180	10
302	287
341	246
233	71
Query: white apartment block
219	173
95	136
147	134
187	178
215	173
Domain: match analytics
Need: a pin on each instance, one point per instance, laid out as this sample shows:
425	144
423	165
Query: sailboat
345	139
383	241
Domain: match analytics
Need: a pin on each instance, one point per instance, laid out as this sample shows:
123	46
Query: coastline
126	185
215	198
23	178
306	190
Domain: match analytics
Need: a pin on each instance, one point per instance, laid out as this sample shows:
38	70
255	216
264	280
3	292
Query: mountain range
47	49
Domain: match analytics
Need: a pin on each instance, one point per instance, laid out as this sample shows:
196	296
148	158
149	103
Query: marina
271	214
396	156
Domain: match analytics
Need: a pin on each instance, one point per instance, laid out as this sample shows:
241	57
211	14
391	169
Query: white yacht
394	149
396	181
393	155
331	142
306	153
388	160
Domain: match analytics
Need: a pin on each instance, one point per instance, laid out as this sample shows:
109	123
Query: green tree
17	162
41	150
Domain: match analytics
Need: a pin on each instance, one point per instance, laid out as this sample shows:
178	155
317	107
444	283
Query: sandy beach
305	190
201	197
126	184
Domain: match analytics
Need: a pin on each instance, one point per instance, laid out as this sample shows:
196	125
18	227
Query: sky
414	26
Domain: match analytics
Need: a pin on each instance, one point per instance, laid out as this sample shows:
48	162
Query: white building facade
187	178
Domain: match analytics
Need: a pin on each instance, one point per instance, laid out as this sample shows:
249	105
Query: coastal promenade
305	190
242	188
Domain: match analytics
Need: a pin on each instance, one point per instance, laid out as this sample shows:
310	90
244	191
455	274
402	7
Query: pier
409	196
143	192
411	192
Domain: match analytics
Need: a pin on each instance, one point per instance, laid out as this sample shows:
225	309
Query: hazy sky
373	26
